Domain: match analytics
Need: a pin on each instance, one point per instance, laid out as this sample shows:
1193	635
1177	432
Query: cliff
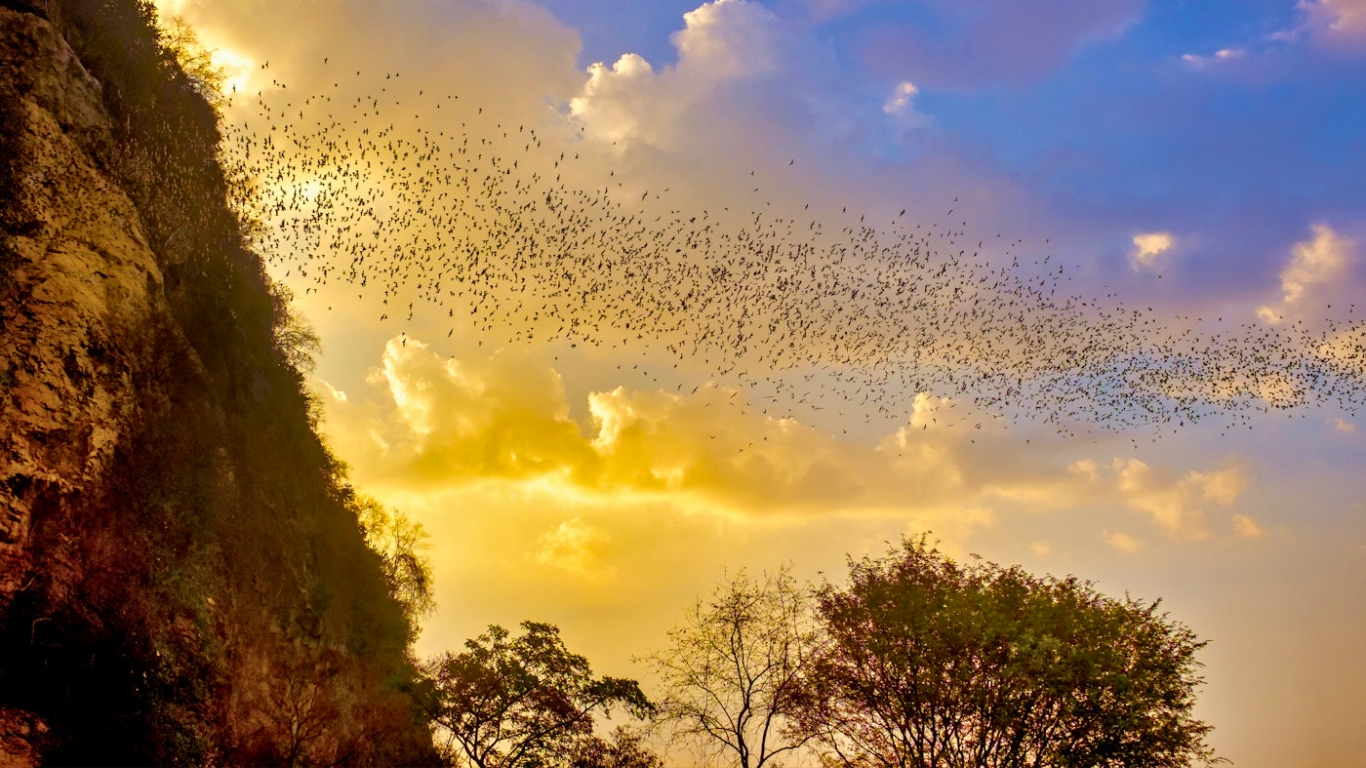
183	577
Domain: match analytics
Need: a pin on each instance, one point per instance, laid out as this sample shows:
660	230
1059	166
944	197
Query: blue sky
1112	122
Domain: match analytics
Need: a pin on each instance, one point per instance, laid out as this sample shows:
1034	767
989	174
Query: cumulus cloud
1149	249
505	418
1312	264
722	41
1177	504
444	422
726	38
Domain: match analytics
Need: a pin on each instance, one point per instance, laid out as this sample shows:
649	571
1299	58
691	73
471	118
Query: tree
399	542
522	702
931	662
625	749
731	673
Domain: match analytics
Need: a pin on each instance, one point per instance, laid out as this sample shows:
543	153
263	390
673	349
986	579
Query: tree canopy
933	662
526	701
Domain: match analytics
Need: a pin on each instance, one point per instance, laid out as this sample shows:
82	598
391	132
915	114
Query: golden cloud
449	422
1149	248
1313	263
440	424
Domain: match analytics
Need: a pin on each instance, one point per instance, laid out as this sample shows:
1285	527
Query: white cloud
1221	56
901	104
721	42
453	422
1149	249
726	39
1086	467
1345	427
613	99
1313	263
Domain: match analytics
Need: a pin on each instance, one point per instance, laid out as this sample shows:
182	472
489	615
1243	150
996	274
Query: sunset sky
1200	159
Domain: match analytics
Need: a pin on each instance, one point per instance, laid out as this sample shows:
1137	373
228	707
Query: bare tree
731	674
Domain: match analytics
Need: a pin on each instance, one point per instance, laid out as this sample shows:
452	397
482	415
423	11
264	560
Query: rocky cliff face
78	276
182	577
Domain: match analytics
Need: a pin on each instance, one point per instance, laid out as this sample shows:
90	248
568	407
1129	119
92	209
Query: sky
1194	160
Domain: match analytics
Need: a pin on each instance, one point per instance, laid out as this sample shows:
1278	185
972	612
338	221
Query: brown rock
79	274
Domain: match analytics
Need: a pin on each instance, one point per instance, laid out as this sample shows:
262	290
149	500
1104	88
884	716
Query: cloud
505	418
572	547
725	39
524	56
1176	503
1149	249
1313	263
1337	24
901	104
1122	542
1219	57
721	42
1247	528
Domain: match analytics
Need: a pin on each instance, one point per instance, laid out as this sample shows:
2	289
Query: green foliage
523	702
932	662
732	673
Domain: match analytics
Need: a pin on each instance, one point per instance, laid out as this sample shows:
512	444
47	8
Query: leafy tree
522	702
931	662
731	674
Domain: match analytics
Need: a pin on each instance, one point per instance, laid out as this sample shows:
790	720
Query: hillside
183	576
